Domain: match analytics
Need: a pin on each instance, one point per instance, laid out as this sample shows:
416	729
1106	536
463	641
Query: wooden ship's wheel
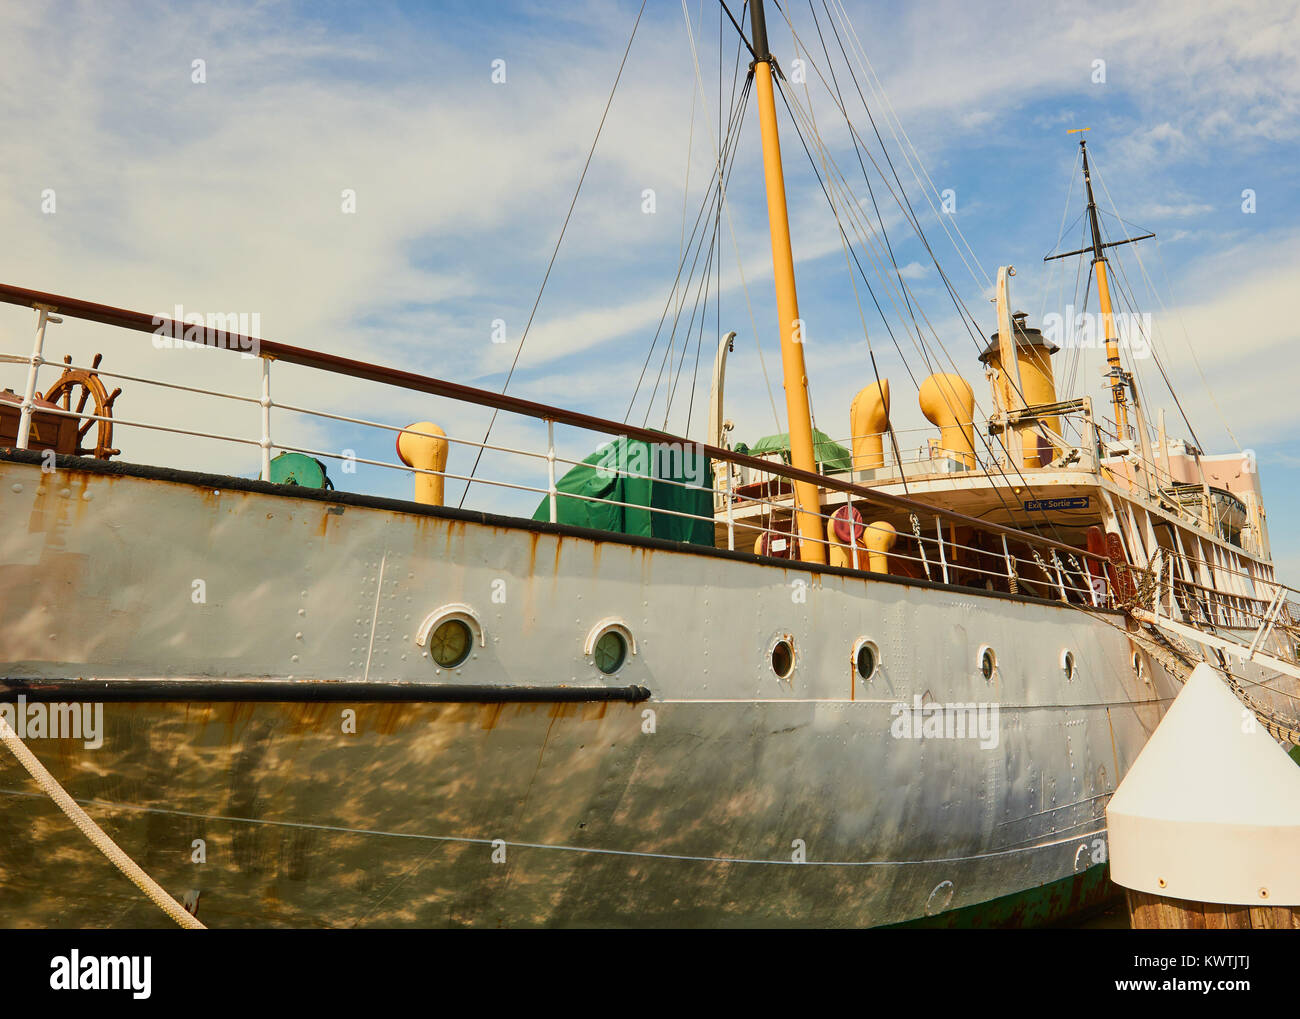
86	386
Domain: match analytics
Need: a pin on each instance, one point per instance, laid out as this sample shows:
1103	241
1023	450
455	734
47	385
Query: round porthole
450	643
988	662
609	644
449	634
1067	663
866	658
610	652
783	658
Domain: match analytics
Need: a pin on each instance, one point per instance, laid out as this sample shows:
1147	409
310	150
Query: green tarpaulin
603	480
829	454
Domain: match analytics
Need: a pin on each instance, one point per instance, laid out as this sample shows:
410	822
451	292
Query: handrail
238	342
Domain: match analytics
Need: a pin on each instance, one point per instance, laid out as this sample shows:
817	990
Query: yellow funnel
427	452
949	402
868	420
879	539
1037	384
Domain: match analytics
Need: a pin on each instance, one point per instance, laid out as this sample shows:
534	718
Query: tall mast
807	498
1118	380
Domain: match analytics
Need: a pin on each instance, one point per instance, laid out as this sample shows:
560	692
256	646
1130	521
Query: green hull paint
1045	906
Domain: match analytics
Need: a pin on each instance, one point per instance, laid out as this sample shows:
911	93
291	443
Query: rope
558	241
97	836
1177	657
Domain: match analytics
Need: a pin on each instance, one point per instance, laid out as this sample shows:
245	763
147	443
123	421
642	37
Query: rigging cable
558	241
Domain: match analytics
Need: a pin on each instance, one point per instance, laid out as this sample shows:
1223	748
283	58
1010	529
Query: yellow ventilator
423	446
868	422
879	539
948	401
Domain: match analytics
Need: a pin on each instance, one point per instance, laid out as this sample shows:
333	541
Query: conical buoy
1205	827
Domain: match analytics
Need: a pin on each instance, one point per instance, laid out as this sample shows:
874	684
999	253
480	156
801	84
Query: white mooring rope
97	836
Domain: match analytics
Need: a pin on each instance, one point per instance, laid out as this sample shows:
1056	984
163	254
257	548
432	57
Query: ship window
783	658
450	643
449	634
1067	663
988	662
610	652
866	658
609	644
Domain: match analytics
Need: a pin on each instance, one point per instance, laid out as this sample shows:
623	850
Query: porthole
783	658
1067	663
608	645
987	662
448	635
866	658
450	643
610	652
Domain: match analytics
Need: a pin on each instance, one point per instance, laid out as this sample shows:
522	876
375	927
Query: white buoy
1209	811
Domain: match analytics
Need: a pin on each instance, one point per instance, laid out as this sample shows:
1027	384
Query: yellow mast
1115	372
807	497
1119	378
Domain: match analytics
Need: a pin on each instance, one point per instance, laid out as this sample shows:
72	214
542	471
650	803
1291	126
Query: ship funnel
949	402
423	446
868	421
1037	384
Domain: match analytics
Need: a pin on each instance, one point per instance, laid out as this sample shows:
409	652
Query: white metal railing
1027	563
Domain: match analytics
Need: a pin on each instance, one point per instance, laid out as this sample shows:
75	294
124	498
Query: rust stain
391	717
490	714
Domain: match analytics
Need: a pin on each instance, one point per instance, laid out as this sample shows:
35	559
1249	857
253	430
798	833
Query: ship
708	683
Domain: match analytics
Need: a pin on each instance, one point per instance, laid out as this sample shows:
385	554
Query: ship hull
728	797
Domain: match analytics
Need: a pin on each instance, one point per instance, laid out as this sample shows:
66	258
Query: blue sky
225	195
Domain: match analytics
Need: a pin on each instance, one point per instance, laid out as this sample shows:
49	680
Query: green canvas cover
829	454
598	478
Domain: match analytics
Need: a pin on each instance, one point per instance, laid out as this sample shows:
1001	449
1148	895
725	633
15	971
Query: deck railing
928	545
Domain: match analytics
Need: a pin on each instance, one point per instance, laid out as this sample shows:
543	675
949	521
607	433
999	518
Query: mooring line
560	847
97	836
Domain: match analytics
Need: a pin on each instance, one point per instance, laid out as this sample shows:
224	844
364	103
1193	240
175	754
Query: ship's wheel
85	384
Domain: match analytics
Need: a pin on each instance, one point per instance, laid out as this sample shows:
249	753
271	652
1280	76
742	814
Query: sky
387	181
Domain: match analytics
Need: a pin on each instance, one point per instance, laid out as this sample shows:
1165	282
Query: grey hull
692	808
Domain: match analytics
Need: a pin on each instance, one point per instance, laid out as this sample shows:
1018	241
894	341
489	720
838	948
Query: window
610	652
866	658
783	658
450	643
448	635
609	644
